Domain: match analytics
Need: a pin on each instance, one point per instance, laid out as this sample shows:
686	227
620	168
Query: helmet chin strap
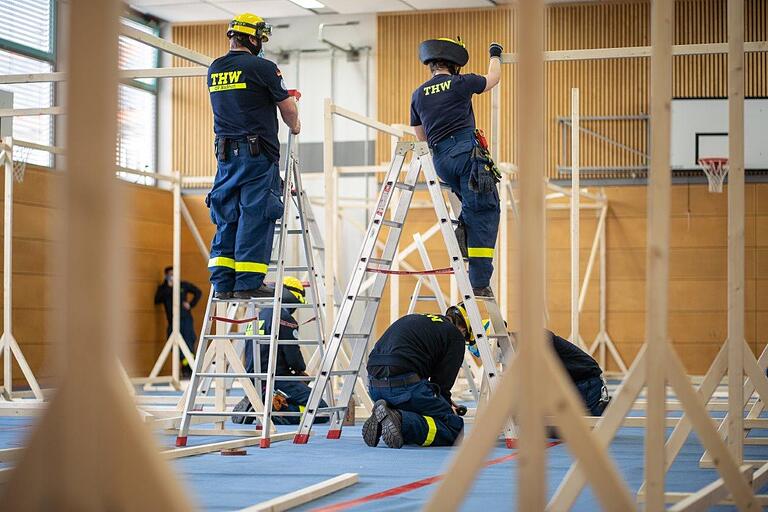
256	50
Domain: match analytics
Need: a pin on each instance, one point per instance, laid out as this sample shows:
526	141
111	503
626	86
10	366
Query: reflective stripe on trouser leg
480	252
260	206
431	431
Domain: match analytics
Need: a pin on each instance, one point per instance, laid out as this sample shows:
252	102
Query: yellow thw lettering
434	318
445	85
234	76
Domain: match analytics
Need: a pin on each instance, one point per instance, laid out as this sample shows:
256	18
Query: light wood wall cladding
37	228
608	87
192	116
698	280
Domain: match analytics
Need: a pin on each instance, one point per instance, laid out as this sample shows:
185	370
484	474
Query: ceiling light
308	4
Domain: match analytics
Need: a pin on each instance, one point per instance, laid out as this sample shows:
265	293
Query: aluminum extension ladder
493	348
219	353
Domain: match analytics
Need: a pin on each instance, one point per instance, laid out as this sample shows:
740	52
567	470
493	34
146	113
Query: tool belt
484	174
395	381
222	145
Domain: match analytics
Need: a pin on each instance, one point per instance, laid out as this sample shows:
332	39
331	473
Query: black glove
495	50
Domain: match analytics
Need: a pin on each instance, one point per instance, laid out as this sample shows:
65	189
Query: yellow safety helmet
296	287
251	25
459	311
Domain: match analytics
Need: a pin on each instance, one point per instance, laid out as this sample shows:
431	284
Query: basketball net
20	163
716	170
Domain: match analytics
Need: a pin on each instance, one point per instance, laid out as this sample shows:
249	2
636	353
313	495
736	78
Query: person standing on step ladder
442	115
246	91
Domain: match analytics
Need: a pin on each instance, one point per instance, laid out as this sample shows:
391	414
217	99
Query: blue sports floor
401	478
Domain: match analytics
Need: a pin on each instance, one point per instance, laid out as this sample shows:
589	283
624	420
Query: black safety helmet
444	49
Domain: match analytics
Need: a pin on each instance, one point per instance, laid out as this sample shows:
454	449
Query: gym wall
37	229
698	278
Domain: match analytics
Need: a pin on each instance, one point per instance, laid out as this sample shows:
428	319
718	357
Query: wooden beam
657	274
188	451
306	495
735	422
709	495
61	76
166	46
366	121
574	214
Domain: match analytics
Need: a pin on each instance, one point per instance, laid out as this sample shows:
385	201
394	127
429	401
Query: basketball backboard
700	130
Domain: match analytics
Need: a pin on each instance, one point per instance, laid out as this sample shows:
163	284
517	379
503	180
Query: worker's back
443	104
245	90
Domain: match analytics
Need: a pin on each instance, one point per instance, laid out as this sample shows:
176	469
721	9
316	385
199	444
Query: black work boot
372	431
391	424
222	295
261	292
483	292
243	405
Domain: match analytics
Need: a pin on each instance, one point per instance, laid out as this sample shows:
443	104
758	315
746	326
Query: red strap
295	93
425	272
233	320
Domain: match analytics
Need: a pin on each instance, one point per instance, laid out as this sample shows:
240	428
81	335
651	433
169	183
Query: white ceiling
180	11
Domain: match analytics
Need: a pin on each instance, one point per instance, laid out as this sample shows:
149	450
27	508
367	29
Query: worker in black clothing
442	115
164	296
246	92
290	395
585	373
411	371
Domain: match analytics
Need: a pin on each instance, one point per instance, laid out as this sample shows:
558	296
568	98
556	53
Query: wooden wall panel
617	87
37	229
192	117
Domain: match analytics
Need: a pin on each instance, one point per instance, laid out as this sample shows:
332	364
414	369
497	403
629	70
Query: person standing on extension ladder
245	200
442	115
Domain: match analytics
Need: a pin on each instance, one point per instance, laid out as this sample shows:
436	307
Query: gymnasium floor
389	479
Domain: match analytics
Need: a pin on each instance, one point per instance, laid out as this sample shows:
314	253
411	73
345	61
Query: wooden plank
735	422
657	269
166	46
306	495
188	451
574	217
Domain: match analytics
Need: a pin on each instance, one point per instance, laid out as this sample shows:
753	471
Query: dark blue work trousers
479	212
591	391
428	418
245	202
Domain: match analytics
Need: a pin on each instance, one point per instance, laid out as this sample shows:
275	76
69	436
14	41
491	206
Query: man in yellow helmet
246	91
294	393
442	115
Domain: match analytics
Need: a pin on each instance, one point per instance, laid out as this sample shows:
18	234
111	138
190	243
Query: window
23	50
137	107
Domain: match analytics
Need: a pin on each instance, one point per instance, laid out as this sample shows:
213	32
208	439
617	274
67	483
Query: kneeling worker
290	395
411	370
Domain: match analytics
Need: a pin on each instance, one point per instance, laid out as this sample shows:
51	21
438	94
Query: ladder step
289	232
367	298
224	413
426	298
339	408
232	375
289	342
337	373
379	261
356	336
238	336
444	186
260	300
404	186
391	223
287	268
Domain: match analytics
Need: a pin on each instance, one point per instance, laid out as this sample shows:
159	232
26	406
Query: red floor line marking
418	484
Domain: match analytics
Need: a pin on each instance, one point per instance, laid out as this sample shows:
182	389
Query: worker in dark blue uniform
442	115
290	395
164	296
411	371
246	91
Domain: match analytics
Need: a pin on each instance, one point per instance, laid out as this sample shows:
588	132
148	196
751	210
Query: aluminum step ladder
380	266
219	352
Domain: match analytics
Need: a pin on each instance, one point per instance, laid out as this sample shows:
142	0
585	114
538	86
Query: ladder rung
379	261
357	336
233	375
289	269
300	378
289	342
444	186
391	223
259	300
404	186
338	408
318	248
337	373
224	413
486	299
286	413
367	298
289	232
430	298
238	336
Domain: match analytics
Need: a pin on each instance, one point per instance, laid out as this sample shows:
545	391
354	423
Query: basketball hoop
716	170
20	163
